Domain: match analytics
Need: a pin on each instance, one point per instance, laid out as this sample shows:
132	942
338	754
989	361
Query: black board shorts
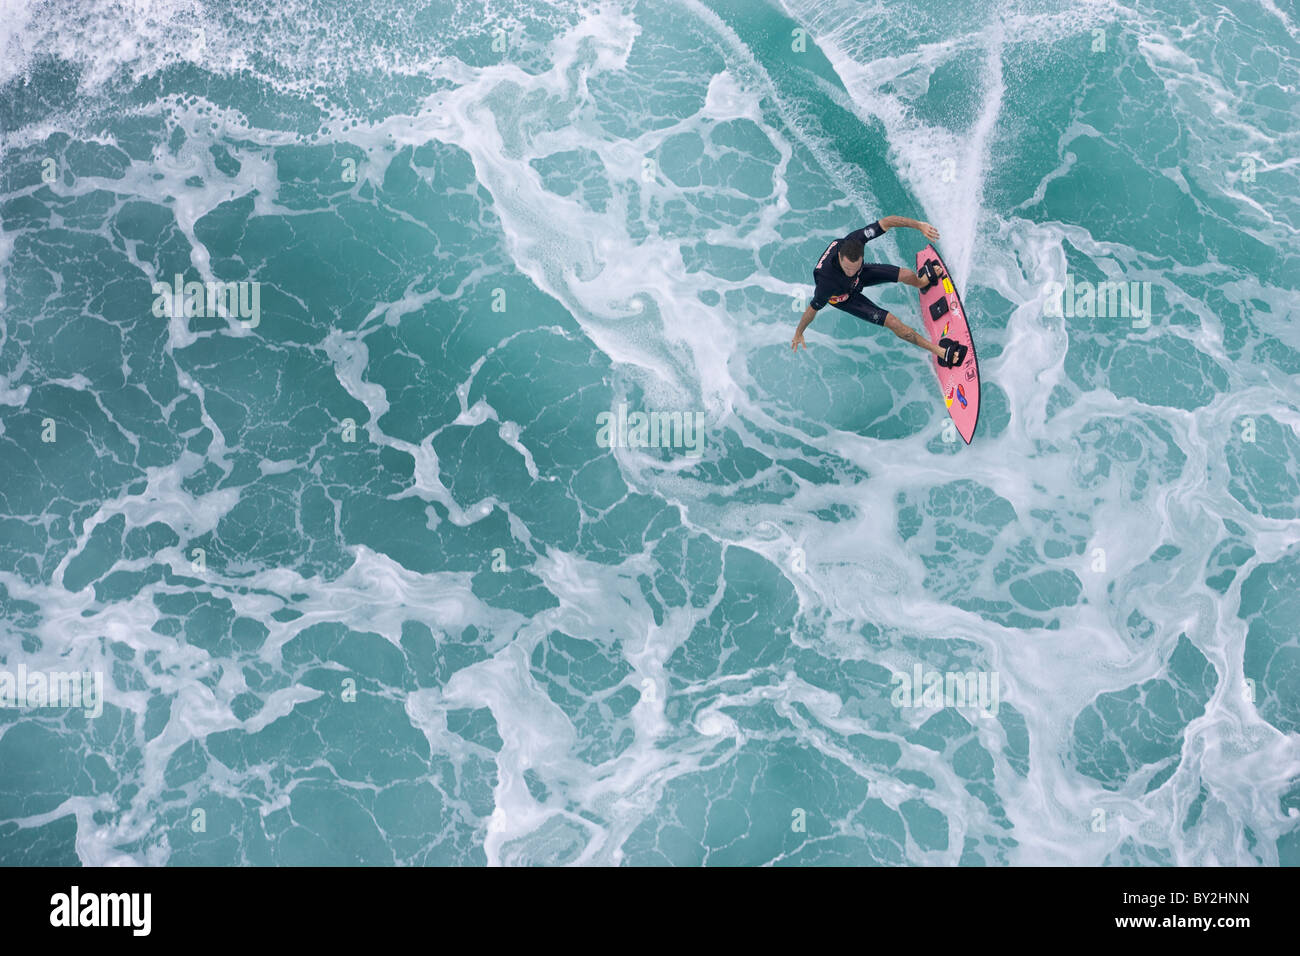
858	304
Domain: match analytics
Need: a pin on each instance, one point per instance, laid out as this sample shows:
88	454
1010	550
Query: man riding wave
840	275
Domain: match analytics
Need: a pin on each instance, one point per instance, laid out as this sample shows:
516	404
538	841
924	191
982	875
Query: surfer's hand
798	341
929	231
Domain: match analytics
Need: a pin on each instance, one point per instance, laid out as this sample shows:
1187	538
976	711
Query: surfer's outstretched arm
808	315
893	222
907	334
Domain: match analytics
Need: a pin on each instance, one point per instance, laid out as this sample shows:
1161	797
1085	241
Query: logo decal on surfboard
961	397
948	398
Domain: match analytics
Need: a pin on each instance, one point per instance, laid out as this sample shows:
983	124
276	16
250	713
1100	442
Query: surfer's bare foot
929	275
954	353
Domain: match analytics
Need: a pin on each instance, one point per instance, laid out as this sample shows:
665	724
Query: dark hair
851	249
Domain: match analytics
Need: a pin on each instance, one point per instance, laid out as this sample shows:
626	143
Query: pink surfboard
945	318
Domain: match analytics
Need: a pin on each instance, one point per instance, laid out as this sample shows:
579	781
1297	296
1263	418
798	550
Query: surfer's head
850	256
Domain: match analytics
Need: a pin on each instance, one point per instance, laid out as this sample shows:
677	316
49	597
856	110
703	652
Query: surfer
840	274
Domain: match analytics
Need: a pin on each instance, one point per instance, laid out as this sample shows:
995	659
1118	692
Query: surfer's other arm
895	222
805	320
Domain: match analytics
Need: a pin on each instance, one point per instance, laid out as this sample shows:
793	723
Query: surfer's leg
859	305
908	334
878	273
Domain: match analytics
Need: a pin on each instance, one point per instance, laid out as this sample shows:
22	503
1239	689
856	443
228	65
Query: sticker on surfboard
944	317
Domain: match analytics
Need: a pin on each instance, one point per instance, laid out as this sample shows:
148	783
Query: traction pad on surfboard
939	308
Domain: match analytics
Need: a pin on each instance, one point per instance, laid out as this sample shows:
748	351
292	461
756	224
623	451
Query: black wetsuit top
833	287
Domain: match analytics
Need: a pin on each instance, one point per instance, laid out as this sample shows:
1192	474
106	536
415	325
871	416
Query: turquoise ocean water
366	583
